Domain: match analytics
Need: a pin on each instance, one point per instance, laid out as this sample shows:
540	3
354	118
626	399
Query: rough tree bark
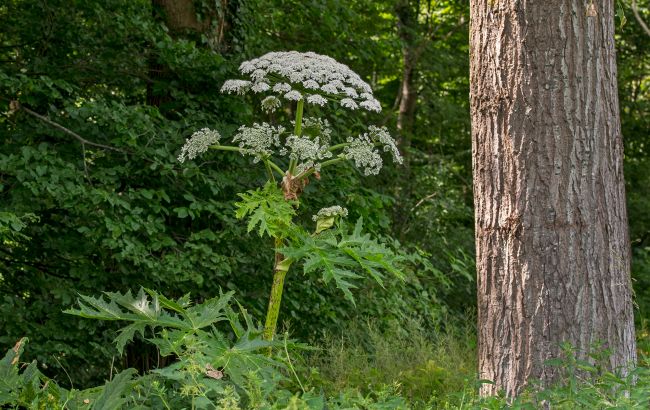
553	256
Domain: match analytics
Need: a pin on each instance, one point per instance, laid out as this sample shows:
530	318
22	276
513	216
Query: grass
426	368
437	370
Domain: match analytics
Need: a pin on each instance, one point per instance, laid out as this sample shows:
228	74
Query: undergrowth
425	367
219	360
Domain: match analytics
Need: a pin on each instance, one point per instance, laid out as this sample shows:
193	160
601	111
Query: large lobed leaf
150	309
267	208
341	257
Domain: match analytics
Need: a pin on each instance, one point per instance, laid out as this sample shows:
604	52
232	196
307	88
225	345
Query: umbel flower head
330	212
296	76
363	152
307	78
326	217
260	140
263	141
198	143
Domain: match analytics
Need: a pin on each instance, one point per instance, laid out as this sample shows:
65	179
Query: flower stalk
297	131
280	269
281	265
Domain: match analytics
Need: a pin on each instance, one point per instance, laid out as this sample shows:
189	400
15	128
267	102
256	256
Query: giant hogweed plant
219	361
295	154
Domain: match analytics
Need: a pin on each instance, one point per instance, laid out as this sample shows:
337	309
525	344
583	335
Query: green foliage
428	367
210	369
115	393
113	73
189	332
338	255
27	387
268	208
16	388
209	364
633	57
152	313
583	384
402	368
11	225
436	371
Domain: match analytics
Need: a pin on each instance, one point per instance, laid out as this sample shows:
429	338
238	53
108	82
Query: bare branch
421	201
637	15
15	106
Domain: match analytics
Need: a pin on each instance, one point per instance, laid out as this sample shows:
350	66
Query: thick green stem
280	270
276	168
282	264
299	108
297	131
339	146
269	171
228	148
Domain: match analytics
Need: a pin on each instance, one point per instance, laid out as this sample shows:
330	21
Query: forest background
93	199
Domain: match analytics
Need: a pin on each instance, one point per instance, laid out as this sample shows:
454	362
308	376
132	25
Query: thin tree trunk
406	12
178	15
407	27
553	255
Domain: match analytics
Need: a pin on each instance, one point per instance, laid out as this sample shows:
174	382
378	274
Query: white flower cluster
259	140
236	87
296	76
270	104
312	146
329	212
307	152
362	149
198	143
316	127
382	136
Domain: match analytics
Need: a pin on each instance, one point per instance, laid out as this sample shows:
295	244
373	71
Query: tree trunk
406	12
407	27
553	256
181	15
181	19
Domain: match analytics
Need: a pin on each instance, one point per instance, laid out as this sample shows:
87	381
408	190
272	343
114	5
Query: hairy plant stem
280	269
297	131
267	162
281	265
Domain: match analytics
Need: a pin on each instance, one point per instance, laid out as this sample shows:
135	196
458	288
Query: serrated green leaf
126	334
209	312
114	391
142	311
178	305
249	355
269	211
340	257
